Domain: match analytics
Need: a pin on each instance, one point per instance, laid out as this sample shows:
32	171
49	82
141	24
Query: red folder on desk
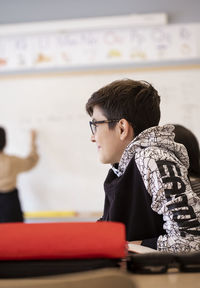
53	248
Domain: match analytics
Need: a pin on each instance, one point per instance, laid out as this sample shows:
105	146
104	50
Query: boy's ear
125	130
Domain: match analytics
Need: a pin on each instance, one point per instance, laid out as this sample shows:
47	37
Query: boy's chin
103	160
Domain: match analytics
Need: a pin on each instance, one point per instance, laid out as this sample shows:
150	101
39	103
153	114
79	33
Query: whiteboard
69	176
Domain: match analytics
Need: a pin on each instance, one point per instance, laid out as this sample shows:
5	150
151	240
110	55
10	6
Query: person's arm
172	197
155	187
27	163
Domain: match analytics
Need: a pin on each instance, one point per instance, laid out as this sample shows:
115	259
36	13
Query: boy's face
109	145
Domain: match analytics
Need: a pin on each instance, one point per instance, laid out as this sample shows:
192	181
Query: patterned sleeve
166	180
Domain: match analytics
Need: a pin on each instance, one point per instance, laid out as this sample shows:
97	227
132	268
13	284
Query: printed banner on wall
93	47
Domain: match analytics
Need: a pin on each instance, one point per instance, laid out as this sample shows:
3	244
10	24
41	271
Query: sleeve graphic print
166	181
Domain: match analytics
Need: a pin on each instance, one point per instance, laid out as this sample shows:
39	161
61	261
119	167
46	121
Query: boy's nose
93	138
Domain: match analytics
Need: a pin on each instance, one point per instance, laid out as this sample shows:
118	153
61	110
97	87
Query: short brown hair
136	101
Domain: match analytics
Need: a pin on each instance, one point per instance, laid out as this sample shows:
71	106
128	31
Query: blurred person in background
10	167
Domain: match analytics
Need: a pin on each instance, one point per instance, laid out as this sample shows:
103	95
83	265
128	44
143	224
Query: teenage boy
147	187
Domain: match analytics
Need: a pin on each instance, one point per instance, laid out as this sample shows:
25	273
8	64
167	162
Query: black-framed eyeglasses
93	124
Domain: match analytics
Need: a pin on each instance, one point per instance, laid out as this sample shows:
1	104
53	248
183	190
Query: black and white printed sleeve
166	180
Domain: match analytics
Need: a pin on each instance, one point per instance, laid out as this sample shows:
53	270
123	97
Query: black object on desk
159	262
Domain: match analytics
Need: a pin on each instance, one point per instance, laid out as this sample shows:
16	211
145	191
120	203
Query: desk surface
108	278
172	279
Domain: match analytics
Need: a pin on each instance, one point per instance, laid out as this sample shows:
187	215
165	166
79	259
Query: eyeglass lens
93	128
